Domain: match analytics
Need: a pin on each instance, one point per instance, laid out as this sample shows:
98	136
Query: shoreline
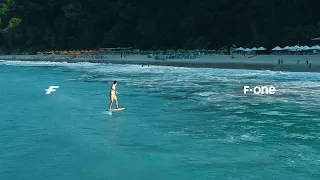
260	62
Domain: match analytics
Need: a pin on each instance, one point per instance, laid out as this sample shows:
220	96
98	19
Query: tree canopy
29	25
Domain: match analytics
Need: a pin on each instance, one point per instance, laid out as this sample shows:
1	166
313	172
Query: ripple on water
199	117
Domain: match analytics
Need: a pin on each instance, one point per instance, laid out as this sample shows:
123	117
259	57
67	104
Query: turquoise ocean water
179	123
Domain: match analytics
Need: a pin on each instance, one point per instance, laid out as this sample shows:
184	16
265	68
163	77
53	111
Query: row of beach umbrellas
72	52
287	48
252	49
296	48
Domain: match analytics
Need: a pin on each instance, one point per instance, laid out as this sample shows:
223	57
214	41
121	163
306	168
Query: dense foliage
32	25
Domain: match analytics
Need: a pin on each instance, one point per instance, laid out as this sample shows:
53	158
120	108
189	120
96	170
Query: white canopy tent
254	49
247	50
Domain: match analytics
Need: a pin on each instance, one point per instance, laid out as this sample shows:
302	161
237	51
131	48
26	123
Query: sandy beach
260	62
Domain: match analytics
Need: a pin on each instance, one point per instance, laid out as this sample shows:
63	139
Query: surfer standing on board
113	96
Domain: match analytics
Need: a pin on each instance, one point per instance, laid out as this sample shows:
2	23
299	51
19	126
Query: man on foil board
113	98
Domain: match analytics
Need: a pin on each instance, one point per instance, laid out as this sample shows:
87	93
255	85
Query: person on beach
298	61
113	96
307	61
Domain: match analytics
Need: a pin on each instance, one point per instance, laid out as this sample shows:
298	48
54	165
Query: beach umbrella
262	48
135	50
296	48
224	50
306	48
286	48
277	48
291	48
317	47
240	49
299	48
313	48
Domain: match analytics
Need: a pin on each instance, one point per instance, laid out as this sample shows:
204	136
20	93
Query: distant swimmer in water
113	96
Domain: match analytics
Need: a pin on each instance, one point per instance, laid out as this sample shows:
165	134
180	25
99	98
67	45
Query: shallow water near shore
179	123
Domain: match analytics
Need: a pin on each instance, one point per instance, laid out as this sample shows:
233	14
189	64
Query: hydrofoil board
113	110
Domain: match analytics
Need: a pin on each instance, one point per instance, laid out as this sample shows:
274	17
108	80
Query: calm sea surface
179	123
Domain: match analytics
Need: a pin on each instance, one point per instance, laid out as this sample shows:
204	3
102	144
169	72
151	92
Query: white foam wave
273	113
241	138
286	124
300	136
202	84
249	137
32	63
205	94
47	63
